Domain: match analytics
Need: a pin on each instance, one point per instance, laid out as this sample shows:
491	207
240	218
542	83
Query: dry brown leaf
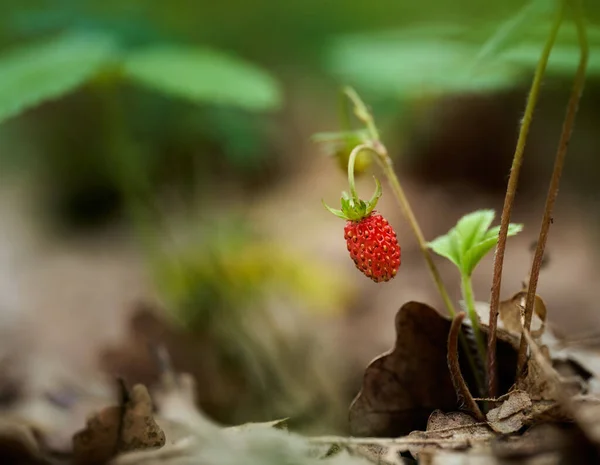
18	444
454	430
511	314
139	430
403	386
449	457
519	410
118	429
97	443
535	382
382	455
545	439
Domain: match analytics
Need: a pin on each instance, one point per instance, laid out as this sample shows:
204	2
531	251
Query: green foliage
470	240
45	70
203	75
452	57
33	74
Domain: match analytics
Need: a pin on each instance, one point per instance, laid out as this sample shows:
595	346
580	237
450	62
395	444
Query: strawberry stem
468	295
383	159
351	161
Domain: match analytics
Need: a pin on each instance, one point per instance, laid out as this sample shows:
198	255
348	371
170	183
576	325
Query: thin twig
510	198
561	153
460	386
404	441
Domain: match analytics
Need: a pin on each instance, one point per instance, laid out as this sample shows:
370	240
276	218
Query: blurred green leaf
203	75
514	25
402	65
443	58
49	69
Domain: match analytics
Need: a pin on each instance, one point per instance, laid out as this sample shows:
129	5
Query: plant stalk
510	198
561	153
351	162
468	295
463	394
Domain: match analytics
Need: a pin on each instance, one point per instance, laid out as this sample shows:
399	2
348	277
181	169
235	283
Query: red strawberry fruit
370	239
373	247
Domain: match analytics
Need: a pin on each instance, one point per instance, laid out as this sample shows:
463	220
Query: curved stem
510	197
351	162
460	386
561	153
467	291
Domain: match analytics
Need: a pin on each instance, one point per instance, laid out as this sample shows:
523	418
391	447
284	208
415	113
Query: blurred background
159	186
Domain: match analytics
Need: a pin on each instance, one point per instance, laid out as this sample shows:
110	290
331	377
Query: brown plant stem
510	198
559	161
460	386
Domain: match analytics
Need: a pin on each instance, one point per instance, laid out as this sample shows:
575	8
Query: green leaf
516	24
203	76
436	58
471	228
447	246
473	256
46	70
442	58
470	240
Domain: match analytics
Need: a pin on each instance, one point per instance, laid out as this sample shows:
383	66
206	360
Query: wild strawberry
370	239
373	247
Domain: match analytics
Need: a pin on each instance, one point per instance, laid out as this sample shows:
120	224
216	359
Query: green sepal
338	213
375	198
356	209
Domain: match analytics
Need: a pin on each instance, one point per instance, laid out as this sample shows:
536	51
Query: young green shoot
465	245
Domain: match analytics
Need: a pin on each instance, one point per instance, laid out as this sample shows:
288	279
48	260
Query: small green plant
465	245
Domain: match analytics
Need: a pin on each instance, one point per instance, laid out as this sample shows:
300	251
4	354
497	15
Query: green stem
509	199
351	161
344	112
362	113
468	296
561	153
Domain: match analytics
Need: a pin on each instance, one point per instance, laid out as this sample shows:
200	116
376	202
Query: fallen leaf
511	314
97	443
517	411
277	424
139	430
118	429
18	444
382	454
543	439
402	387
453	430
